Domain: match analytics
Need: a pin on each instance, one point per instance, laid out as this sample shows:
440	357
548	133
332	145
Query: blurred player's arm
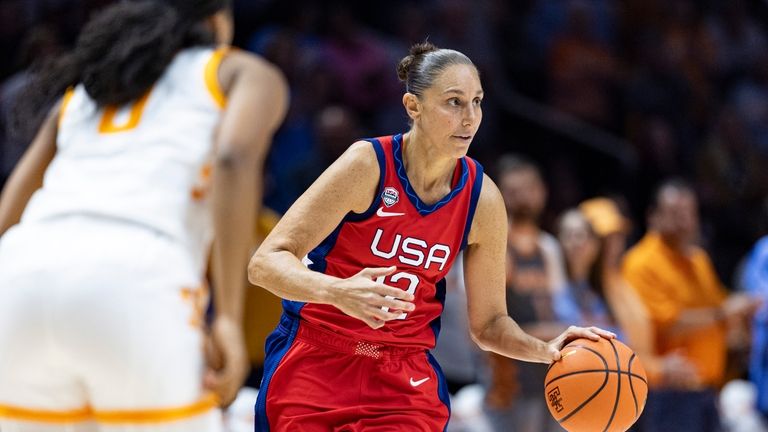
257	99
27	176
348	185
491	327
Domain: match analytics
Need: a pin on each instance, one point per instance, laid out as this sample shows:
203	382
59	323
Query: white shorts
100	330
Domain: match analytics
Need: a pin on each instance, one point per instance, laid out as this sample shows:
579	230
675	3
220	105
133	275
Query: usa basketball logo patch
390	196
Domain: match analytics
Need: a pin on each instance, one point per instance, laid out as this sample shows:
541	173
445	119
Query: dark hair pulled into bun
425	61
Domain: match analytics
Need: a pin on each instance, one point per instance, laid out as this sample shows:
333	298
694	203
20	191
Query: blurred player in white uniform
150	146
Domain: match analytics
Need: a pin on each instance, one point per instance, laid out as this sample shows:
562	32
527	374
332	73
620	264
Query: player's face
450	109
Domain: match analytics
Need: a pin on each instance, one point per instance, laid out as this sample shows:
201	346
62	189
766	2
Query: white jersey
145	163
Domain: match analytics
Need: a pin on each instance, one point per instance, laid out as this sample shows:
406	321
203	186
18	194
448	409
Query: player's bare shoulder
491	215
357	172
257	78
362	158
242	64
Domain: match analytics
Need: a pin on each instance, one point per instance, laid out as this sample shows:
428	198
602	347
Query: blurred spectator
40	44
756	283
456	353
548	18
686	47
689	307
738	409
593	238
583	72
730	167
295	51
358	61
12	22
686	82
738	40
750	97
732	181
463	25
583	301
534	275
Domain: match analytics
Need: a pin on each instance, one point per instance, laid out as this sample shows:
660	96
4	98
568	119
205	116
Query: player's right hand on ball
362	297
575	332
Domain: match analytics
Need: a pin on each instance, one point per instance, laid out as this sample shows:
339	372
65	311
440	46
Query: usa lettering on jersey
412	251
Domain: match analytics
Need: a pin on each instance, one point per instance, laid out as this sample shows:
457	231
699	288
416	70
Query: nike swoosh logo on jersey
381	213
419	382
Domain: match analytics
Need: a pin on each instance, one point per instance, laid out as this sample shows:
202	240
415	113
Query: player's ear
412	105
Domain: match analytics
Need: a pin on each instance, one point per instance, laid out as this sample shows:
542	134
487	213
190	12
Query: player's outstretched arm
257	99
484	273
348	185
27	176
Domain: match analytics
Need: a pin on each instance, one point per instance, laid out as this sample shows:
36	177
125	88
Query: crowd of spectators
602	97
680	87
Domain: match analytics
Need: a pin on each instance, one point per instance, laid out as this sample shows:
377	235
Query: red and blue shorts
318	380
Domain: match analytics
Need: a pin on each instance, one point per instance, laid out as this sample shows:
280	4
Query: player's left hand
226	360
572	333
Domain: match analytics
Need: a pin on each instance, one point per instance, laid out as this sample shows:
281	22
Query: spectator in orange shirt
593	237
689	307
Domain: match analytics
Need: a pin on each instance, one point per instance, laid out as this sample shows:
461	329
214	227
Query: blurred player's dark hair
118	56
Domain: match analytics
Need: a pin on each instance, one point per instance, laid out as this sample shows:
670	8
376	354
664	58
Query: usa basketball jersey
400	230
151	156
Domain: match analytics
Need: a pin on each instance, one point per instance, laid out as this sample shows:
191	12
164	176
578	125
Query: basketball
596	386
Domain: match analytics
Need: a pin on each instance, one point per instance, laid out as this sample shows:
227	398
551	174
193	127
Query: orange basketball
596	386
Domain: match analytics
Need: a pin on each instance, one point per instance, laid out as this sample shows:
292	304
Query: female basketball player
379	231
154	149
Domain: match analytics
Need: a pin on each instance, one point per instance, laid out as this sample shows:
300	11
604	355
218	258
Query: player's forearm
28	175
504	336
236	196
280	272
544	330
14	199
694	319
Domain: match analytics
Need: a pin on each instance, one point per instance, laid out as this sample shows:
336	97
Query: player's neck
428	171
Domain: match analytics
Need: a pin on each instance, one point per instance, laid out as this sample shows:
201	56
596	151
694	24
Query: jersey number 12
413	282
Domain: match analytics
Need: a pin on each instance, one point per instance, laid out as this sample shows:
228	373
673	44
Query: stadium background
609	97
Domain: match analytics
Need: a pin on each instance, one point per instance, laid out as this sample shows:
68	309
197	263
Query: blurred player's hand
364	297
226	358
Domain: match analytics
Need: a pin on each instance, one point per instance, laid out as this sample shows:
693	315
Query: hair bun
422	48
418	49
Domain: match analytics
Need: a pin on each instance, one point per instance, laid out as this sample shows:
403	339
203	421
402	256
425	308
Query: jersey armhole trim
64	103
211	76
477	186
353	217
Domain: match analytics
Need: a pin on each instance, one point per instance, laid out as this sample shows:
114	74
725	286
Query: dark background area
609	97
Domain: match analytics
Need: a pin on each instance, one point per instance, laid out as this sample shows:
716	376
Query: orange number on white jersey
107	124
